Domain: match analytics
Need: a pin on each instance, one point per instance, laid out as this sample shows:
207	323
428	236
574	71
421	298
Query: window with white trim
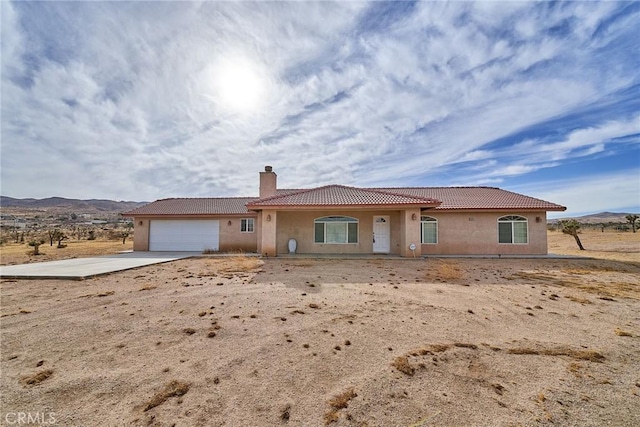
246	225
335	229
429	229
513	229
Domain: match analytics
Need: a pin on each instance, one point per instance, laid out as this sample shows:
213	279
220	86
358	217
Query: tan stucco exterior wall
472	233
459	233
410	232
268	224
141	234
232	239
299	225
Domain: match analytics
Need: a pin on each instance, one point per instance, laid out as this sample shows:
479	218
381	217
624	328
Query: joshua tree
78	231
56	235
572	227
60	236
127	230
632	219
52	235
36	246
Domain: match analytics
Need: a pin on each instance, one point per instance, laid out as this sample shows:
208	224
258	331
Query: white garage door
184	235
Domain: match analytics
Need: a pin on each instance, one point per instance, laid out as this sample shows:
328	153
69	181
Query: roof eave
191	215
341	206
502	209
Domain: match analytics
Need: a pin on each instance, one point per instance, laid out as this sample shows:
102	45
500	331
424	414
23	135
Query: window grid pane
319	232
519	232
336	232
336	229
504	232
353	232
429	232
246	225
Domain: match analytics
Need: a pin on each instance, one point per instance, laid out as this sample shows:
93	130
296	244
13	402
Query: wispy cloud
135	100
615	192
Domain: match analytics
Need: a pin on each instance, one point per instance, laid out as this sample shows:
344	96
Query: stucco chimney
268	180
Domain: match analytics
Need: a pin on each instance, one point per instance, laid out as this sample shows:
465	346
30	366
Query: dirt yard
15	253
302	342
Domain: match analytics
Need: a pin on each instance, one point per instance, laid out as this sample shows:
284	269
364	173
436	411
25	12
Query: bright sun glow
239	85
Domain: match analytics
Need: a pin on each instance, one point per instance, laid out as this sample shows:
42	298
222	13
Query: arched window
336	229
429	229
513	229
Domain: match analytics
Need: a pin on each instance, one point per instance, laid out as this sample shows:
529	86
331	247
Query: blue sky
147	100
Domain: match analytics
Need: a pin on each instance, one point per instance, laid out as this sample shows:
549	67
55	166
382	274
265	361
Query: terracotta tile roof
442	198
194	206
458	198
340	195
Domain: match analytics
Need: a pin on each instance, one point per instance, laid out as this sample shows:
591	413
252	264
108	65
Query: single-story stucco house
336	219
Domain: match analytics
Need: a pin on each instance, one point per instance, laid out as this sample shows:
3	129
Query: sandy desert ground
303	342
14	253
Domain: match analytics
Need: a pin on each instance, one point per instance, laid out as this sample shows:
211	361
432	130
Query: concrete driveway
82	268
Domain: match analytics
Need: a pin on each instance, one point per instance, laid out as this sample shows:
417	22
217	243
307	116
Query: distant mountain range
60	203
598	218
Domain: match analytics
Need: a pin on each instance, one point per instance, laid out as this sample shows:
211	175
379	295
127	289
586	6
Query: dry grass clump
595	282
623	333
172	389
575	368
578	299
230	265
285	413
342	400
437	348
465	345
401	363
303	263
338	402
241	264
106	294
331	417
449	270
37	378
590	355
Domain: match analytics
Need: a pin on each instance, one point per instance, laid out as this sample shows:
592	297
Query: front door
381	240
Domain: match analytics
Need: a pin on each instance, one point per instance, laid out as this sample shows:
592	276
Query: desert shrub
36	246
401	363
37	378
449	270
341	400
172	389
